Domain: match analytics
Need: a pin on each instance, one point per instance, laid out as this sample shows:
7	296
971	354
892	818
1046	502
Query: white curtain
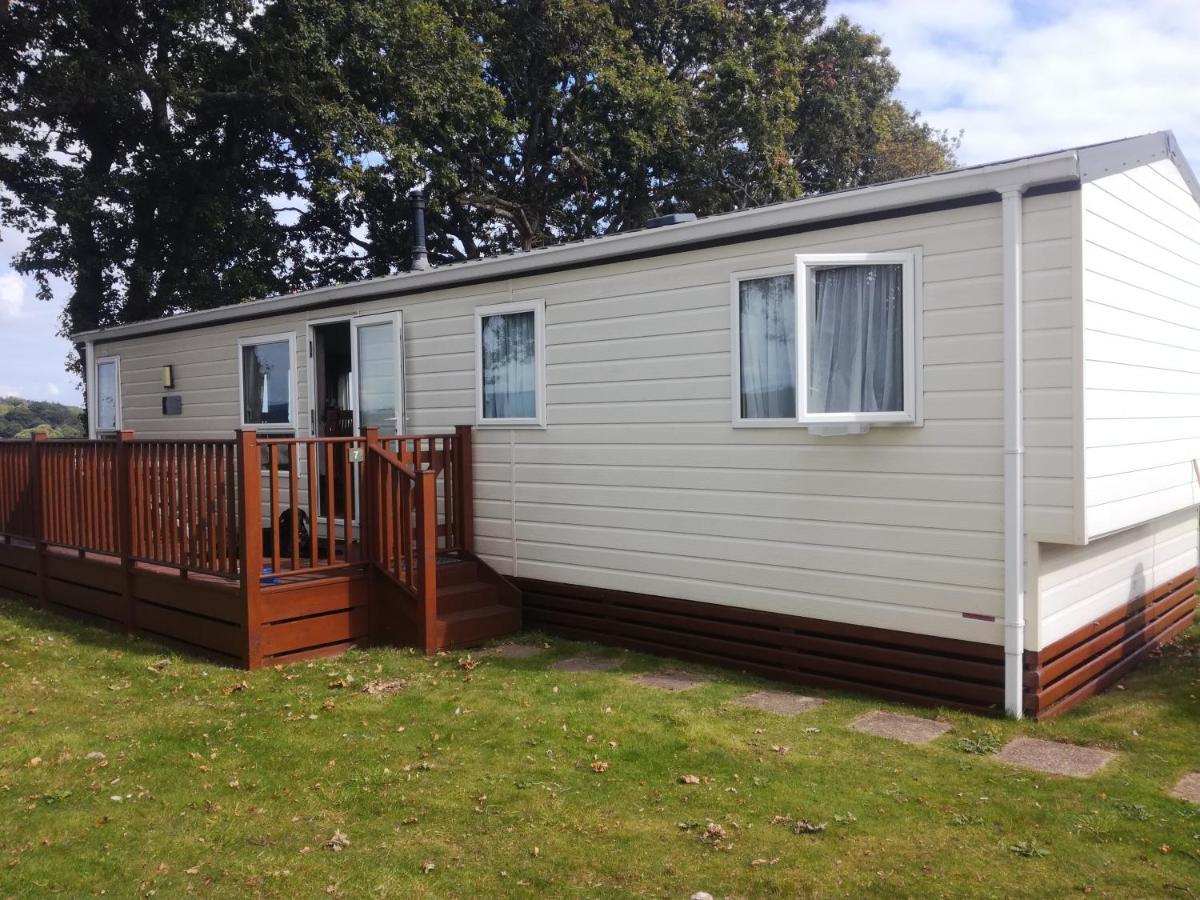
855	335
509	366
767	308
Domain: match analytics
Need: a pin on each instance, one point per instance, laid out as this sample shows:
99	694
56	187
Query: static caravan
934	439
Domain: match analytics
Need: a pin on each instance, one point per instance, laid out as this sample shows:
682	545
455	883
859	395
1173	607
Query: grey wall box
172	405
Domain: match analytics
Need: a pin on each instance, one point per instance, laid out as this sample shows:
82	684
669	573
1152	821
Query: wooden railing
309	487
79	502
235	511
449	457
18	495
183	504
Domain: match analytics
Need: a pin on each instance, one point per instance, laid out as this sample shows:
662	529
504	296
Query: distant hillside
19	418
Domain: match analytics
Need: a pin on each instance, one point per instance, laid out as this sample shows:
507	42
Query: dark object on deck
285	530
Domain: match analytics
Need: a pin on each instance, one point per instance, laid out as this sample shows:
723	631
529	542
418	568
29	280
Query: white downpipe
1014	455
89	383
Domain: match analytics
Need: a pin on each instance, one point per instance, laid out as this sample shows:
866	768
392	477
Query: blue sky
1016	77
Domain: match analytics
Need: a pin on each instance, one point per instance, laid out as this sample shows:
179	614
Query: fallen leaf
382	686
599	766
337	843
689	779
427	866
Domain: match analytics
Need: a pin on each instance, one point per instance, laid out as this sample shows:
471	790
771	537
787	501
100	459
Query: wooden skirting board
204	616
909	668
895	665
1098	655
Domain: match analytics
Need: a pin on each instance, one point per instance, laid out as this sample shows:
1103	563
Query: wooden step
464	597
474	626
451	574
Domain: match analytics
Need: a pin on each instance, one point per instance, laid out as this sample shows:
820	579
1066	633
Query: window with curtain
267	383
108	399
767	347
509	365
830	344
856	339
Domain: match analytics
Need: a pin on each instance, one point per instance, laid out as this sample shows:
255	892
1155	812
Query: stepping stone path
910	729
586	664
670	681
518	651
781	702
1188	788
1054	758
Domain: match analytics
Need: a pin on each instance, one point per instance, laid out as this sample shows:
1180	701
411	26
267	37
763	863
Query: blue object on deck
267	570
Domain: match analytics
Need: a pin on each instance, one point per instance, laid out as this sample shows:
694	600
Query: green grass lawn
489	781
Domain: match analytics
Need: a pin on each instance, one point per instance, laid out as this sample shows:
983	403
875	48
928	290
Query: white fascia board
1115	157
1047	169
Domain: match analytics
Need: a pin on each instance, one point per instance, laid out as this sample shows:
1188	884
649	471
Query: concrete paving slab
910	729
783	703
670	681
1054	758
1187	788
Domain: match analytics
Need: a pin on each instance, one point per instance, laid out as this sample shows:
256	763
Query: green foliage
164	155
979	742
20	418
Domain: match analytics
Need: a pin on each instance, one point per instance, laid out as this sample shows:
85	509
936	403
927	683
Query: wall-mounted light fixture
168	377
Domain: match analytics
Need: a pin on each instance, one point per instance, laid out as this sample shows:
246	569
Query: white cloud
1021	77
12	297
53	389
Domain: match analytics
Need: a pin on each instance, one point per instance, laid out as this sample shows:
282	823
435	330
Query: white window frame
910	301
538	307
831	423
116	362
735	328
271	427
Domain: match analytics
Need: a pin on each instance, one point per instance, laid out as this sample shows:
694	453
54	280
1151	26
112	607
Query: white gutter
1014	453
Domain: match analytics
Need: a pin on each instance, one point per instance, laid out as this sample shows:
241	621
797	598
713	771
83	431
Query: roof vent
670	219
419	259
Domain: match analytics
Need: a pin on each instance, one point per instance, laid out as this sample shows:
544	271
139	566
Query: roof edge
1115	157
1046	169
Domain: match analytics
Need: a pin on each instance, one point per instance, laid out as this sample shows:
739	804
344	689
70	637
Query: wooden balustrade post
37	490
426	537
124	509
368	538
464	487
368	498
250	547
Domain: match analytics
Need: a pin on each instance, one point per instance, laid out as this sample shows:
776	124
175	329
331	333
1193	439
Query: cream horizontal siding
641	483
1142	346
1078	584
1051	270
206	366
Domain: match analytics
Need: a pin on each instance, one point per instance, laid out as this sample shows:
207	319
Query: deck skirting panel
895	665
1096	656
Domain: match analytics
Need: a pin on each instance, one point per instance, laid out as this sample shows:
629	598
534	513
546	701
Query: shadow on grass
85	630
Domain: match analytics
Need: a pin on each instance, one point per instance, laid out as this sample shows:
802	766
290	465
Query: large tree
177	154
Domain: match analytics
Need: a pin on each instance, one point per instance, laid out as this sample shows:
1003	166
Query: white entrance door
375	364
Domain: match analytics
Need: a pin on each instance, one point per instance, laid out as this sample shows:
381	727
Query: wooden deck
183	541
